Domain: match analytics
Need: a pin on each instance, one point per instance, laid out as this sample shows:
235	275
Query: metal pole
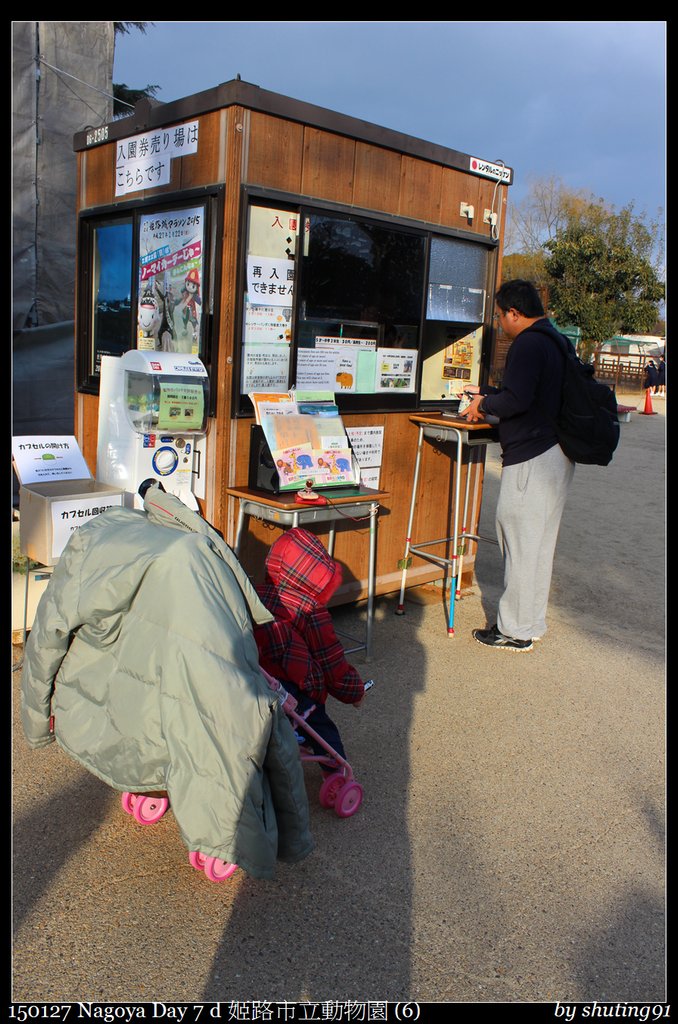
400	610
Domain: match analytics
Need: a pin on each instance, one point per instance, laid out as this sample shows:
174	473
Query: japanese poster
171	247
268	324
269	298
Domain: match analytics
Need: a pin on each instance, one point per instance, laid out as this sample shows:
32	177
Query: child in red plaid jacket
301	647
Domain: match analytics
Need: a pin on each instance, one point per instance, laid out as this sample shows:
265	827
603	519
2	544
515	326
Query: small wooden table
352	504
441	428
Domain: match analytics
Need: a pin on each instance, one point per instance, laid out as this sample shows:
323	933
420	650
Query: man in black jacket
536	473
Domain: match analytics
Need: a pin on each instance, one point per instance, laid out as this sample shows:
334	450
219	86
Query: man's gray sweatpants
531	500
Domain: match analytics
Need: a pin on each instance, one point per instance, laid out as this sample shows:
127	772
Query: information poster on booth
181	407
171	247
269	299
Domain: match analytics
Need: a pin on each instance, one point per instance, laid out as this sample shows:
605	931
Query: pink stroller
339	789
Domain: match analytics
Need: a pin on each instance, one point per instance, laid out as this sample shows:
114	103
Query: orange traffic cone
648	410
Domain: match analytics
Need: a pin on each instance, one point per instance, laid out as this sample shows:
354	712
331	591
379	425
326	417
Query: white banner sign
144	161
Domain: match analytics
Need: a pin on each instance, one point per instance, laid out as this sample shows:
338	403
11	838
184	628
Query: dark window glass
456	281
111	291
361	272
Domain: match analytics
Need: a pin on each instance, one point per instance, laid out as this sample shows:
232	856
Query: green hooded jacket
142	649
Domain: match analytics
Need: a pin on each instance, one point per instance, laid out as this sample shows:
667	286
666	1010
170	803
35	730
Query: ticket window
455	311
384	316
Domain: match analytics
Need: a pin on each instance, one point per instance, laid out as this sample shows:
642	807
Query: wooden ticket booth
289	246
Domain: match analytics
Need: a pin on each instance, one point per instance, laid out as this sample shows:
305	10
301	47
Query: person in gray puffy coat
142	650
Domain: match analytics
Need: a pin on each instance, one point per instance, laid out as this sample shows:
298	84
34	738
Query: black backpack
587	424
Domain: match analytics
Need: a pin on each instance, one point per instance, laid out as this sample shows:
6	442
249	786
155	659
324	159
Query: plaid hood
301	645
301	572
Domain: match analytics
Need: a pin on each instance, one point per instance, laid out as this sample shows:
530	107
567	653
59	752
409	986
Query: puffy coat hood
304	575
142	648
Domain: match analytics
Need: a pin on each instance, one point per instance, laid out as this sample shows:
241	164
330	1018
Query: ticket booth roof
149	114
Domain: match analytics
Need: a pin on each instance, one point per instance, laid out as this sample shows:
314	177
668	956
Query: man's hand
472	413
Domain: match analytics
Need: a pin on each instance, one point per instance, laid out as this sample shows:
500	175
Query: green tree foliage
599	267
126	96
602	273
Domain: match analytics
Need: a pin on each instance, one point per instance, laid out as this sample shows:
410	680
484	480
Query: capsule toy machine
153	413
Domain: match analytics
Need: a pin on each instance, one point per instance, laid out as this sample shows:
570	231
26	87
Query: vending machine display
153	423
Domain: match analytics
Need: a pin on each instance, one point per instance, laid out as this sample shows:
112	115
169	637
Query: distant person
536	473
651	375
661	378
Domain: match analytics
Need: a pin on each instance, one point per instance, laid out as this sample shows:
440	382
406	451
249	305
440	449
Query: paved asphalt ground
511	844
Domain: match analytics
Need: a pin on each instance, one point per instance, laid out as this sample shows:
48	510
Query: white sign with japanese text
368	445
39	459
265	367
489	170
270	282
69	514
144	161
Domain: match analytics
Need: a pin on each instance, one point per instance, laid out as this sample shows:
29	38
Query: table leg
238	531
455	539
467	493
400	610
371	575
23	638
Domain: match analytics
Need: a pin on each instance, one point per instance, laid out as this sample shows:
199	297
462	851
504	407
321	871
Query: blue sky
581	101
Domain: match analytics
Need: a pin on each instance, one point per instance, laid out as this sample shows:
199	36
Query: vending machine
153	409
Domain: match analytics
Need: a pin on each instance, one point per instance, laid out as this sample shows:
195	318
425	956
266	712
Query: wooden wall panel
202	168
86	428
377	178
275	152
98	169
420	188
462	188
328	166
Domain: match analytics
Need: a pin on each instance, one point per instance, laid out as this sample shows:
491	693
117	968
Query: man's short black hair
521	296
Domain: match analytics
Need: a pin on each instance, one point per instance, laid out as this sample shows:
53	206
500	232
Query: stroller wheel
329	789
149	809
128	801
219	870
348	799
197	860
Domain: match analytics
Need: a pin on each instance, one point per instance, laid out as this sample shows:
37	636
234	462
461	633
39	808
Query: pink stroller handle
303	724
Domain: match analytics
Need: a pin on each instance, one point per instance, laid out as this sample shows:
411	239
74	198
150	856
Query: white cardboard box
55	497
50	512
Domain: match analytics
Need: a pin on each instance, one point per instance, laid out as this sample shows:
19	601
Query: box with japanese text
50	512
57	494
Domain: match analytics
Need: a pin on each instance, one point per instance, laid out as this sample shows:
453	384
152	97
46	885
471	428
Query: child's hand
359	703
289	703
